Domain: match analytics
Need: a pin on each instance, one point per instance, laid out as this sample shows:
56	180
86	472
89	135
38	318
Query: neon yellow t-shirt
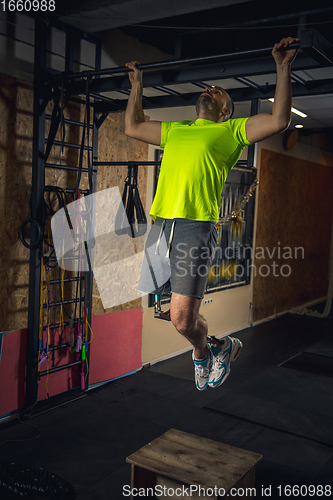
197	158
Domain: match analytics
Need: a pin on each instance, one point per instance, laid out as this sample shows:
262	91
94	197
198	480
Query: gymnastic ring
39	237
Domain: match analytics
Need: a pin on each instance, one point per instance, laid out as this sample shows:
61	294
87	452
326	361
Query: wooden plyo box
179	465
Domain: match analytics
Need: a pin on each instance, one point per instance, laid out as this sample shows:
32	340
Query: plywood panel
114	145
16	103
16	132
295	206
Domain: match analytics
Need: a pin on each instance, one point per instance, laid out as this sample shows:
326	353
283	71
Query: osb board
16	105
295	206
16	132
114	145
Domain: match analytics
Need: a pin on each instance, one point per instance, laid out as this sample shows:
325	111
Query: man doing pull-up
197	159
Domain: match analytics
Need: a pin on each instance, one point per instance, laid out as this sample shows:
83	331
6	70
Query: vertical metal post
89	274
69	58
252	150
178	47
37	195
301	25
252	162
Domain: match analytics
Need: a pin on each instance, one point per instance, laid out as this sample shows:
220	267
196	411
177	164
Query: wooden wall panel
16	128
114	145
16	104
295	206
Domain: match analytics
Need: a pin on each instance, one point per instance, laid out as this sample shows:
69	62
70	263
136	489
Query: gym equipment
28	481
158	313
183	463
134	214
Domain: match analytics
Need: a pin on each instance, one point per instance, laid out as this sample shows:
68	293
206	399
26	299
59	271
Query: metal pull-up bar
182	62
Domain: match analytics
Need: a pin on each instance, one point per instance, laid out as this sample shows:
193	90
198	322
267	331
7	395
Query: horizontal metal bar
200	84
249	83
192	74
54	259
58	368
64	167
298	79
142	163
56	326
126	92
181	62
66	280
123	163
69	145
101	97
82	191
70	301
249	66
70	122
78	100
58	347
168	91
17	39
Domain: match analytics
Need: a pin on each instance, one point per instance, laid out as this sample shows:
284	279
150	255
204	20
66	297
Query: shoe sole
235	352
237	349
202	388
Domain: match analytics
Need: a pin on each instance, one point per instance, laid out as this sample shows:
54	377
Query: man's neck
207	116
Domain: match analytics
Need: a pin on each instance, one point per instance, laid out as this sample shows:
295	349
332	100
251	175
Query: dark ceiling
195	28
233	28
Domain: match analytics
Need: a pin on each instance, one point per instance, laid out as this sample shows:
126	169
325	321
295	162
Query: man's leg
184	313
212	366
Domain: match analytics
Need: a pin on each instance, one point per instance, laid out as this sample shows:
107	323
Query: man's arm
135	124
263	125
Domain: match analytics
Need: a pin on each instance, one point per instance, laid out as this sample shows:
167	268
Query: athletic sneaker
224	351
202	370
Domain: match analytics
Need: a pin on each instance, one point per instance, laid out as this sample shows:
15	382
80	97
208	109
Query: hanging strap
139	211
170	239
121	223
57	117
159	238
131	218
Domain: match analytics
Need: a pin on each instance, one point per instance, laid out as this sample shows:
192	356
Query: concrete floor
281	409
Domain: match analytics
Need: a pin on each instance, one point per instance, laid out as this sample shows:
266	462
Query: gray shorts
178	256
